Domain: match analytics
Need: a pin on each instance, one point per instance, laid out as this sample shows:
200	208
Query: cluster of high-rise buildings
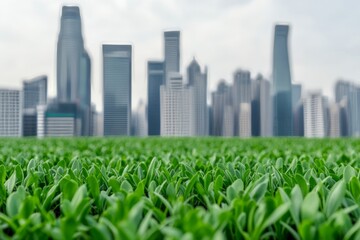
177	102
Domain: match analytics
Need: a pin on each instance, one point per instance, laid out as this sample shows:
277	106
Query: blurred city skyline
224	35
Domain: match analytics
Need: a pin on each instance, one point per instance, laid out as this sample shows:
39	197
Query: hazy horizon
225	35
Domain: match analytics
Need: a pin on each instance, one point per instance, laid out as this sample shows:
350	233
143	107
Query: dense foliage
179	189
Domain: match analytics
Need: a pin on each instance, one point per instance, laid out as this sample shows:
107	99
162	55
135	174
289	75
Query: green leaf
114	184
79	196
300	180
218	183
14	202
2	174
296	201
69	189
355	189
335	197
190	185
310	206
349	172
259	190
49	196
93	185
307	230
27	207
10	183
126	186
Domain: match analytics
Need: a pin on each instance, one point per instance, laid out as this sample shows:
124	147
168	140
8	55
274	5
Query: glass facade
282	84
156	77
172	52
117	89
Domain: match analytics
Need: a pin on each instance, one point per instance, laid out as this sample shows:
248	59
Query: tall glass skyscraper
172	52
156	78
282	97
117	89
198	81
241	93
222	117
73	65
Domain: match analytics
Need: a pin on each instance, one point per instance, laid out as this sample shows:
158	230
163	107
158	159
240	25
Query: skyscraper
228	121
297	116
156	78
198	81
261	108
34	94
347	94
242	93
245	120
255	107
282	112
342	90
354	110
344	117
117	76
85	94
314	115
221	101
172	52
295	94
193	70
335	130
73	65
177	107
10	113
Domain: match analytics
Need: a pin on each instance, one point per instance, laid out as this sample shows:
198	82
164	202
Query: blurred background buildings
178	103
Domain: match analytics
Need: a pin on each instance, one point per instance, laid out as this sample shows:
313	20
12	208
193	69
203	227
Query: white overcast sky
222	34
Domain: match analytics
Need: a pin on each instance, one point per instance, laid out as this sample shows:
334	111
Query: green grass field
186	188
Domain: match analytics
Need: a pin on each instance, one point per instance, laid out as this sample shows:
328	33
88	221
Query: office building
265	107
241	93
347	95
299	119
255	107
171	52
58	120
97	124
282	88
156	78
314	115
261	107
177	107
73	66
342	90
228	121
10	113
344	117
117	76
245	120
40	121
34	94
220	99
198	81
354	110
295	94
296	110
335	127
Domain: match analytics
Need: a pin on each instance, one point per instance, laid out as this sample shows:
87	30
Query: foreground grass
179	189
